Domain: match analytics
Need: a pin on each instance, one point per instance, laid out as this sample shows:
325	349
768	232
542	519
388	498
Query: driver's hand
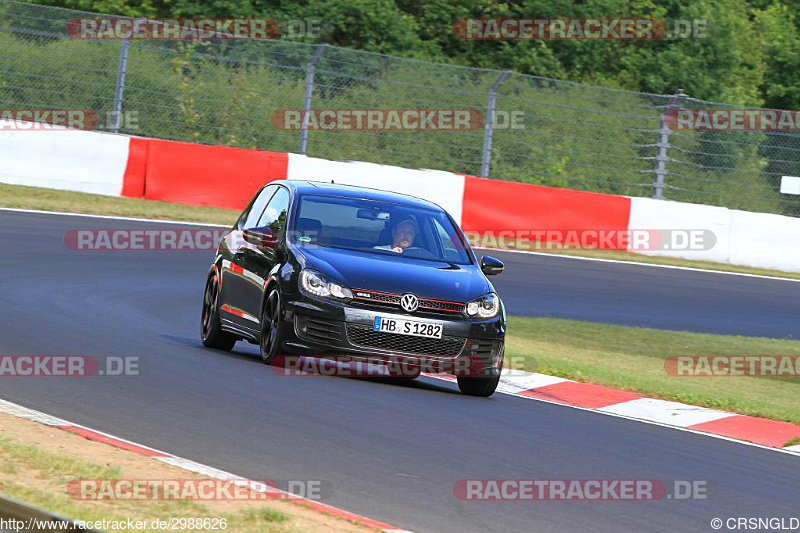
397	249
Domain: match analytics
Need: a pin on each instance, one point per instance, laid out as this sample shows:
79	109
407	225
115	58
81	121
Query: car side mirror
261	237
491	266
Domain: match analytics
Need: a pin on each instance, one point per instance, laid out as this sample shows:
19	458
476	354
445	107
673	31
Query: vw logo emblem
409	303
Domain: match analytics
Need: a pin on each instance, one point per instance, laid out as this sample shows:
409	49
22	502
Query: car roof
352	191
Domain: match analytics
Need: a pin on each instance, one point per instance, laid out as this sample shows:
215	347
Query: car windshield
378	227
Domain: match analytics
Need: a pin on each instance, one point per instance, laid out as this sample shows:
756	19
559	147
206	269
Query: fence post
663	145
488	129
312	65
122	66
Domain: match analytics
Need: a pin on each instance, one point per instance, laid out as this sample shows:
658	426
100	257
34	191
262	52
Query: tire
269	343
483	387
211	332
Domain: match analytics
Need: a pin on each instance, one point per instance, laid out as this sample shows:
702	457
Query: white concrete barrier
760	240
649	214
65	159
765	240
443	188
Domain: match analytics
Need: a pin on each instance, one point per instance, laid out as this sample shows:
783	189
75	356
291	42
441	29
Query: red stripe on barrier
217	176
581	394
759	430
99	437
133	182
492	205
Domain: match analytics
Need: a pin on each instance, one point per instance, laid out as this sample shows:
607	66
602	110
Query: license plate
407	327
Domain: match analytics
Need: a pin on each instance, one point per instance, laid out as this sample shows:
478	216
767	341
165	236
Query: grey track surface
648	296
391	452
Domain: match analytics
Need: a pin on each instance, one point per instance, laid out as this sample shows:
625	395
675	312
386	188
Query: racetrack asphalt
392	452
648	296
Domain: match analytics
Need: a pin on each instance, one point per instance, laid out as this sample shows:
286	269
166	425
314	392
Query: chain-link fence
225	92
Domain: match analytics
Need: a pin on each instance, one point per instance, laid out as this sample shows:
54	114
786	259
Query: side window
452	247
274	216
251	220
447	243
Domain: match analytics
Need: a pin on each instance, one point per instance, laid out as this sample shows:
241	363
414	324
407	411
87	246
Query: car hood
398	275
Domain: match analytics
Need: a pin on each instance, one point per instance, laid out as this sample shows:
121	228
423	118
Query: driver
403	235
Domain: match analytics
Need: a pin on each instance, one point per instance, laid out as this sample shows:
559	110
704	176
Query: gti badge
409	303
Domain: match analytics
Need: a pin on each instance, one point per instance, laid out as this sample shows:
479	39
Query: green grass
46	473
52	465
21	197
633	359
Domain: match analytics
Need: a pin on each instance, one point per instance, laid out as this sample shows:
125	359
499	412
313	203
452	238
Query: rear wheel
270	342
212	334
478	386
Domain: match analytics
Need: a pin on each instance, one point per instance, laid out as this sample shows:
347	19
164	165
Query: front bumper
473	348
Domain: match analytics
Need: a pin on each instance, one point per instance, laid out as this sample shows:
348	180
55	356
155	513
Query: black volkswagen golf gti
317	268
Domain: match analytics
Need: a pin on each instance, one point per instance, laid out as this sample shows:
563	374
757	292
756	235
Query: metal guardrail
11	509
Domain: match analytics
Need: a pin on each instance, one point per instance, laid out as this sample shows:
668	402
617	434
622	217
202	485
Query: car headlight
318	284
487	306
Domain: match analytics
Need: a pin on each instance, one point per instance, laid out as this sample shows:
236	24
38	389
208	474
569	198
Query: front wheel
212	334
483	387
270	342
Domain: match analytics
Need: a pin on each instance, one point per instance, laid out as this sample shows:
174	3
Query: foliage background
585	127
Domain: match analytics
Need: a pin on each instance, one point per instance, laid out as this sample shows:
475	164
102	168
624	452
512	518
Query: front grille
438	305
378	297
364	336
426	305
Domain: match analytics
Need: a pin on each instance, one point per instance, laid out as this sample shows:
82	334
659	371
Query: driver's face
404	235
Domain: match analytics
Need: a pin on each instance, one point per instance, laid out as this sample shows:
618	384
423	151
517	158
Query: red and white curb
769	434
185	464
